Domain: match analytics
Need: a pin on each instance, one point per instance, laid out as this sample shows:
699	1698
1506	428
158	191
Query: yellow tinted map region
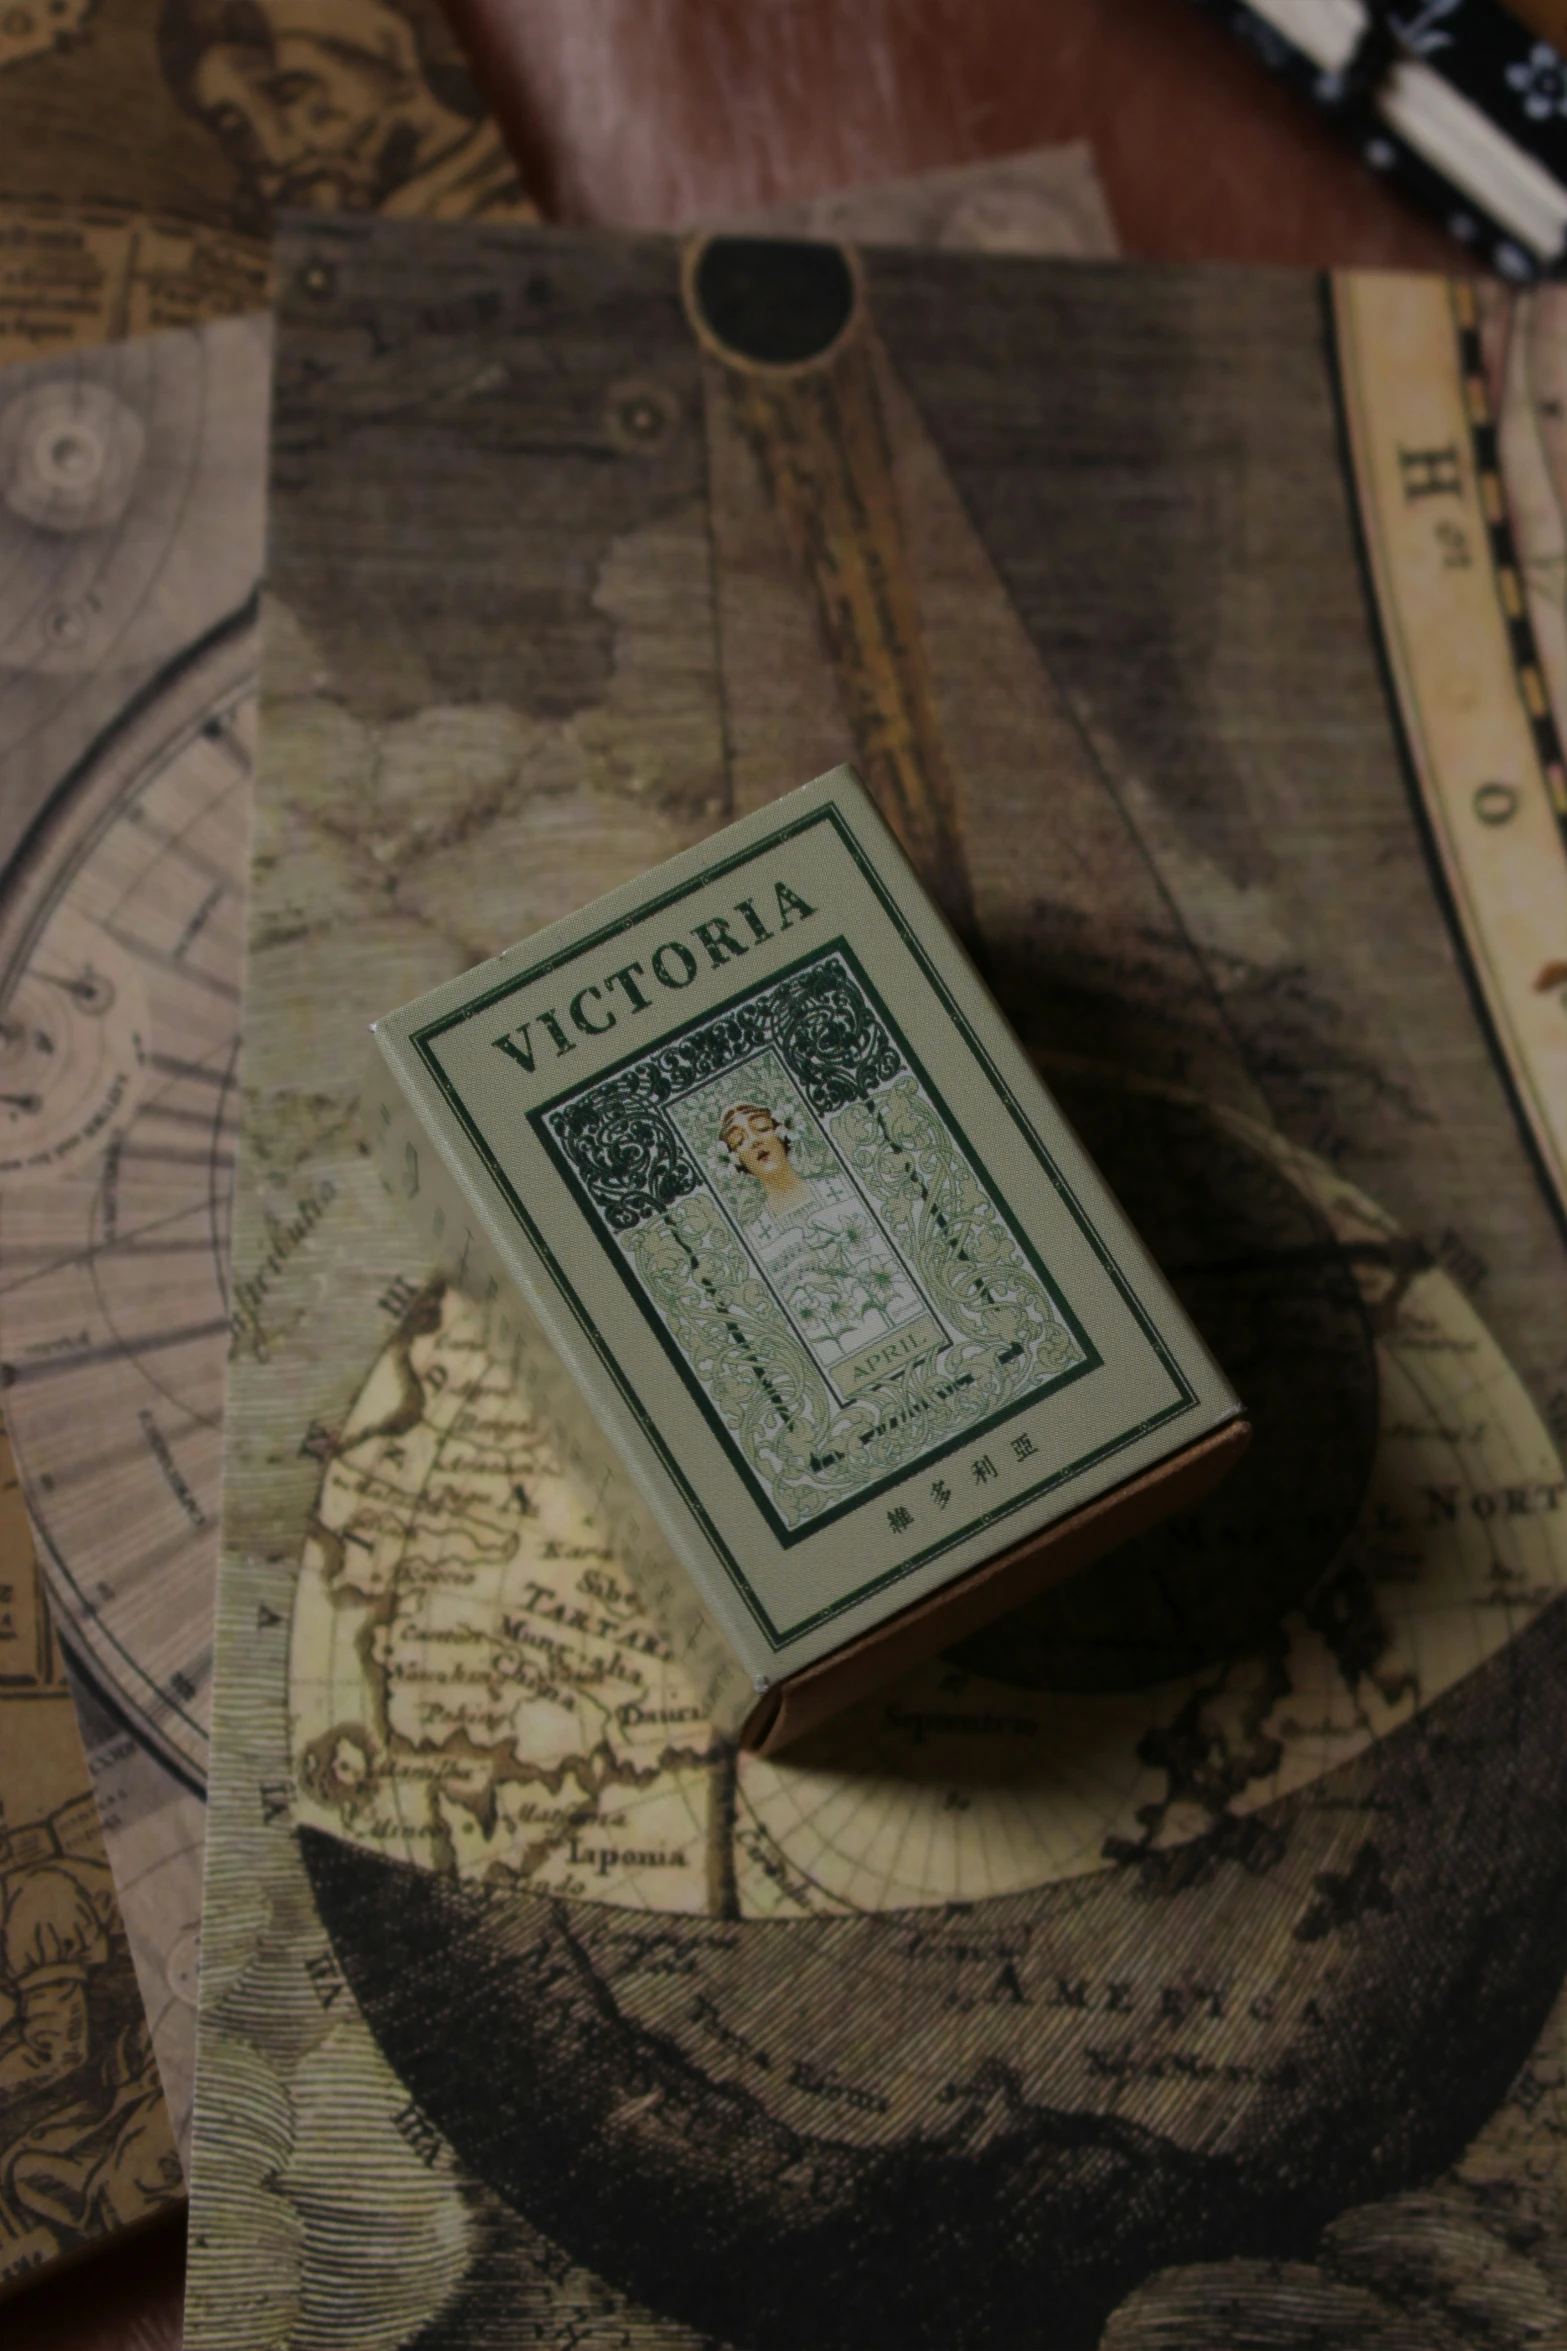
1453	407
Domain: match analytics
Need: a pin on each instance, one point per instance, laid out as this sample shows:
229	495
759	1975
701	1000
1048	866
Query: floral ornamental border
803	1432
625	1149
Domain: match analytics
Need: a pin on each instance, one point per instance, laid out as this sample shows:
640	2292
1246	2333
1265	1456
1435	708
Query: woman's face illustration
756	1143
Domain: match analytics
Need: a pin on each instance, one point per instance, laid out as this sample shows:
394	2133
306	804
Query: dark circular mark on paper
774	302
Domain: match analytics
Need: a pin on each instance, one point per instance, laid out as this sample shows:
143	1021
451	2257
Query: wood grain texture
653	113
128	2300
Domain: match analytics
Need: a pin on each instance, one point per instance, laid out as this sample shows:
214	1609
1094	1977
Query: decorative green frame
423	1041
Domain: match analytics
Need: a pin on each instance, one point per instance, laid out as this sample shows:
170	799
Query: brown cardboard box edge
818	1691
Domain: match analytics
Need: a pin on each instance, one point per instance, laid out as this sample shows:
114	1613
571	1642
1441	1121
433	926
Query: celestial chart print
120	1071
147	147
130	542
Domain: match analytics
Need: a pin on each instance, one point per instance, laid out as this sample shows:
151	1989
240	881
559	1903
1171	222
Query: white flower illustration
1541	82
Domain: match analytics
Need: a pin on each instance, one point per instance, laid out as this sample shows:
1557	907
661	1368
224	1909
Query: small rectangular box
784	1232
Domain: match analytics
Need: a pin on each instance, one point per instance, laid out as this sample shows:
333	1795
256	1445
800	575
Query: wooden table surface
654	113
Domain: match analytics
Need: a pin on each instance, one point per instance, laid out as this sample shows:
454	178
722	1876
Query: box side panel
819	1691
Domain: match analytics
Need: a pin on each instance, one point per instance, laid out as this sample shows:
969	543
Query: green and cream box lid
840	1284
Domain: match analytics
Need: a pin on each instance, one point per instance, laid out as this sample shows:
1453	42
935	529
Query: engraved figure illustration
840	1282
342	105
84	2138
147	142
847	1297
86	2146
29	31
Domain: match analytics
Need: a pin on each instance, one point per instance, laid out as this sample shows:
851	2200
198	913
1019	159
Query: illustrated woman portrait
834	1270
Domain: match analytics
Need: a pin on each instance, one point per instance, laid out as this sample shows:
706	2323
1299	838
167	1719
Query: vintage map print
1213	1910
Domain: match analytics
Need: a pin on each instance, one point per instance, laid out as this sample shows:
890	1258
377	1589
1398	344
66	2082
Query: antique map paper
130	540
86	2147
142	152
1212	1912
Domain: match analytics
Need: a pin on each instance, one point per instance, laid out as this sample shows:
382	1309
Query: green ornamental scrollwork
814	1239
627	1154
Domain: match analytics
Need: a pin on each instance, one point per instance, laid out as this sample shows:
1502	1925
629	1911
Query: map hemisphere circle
924	1938
483	1696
